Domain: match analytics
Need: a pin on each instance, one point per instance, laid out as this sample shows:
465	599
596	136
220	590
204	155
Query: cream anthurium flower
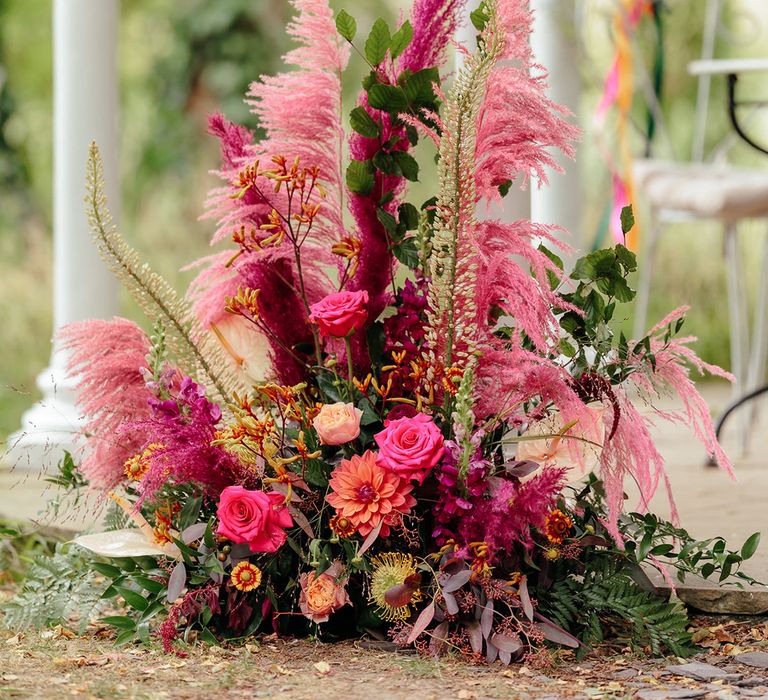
576	447
132	542
246	346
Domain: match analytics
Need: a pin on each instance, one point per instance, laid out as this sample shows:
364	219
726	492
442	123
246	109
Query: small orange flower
246	577
452	379
349	248
557	526
137	466
342	526
552	553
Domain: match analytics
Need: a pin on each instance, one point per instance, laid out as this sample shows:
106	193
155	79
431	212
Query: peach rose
321	595
337	423
578	449
340	314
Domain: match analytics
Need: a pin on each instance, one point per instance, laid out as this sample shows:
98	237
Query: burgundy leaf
593	540
400	595
453	583
486	619
281	488
176	582
422	621
193	532
475	636
301	521
525	598
450	603
491	652
439	635
520	469
507	643
556	634
372	536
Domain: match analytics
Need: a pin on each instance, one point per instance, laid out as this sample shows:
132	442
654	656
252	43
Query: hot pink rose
255	518
340	314
337	423
322	595
410	447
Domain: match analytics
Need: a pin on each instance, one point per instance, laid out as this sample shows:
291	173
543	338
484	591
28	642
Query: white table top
727	66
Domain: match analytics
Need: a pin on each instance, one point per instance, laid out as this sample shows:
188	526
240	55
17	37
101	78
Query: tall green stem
350	368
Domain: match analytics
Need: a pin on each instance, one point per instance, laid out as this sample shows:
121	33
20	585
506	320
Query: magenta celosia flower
181	428
404	330
512	511
452	501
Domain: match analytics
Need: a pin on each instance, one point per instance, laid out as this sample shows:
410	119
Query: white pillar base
48	429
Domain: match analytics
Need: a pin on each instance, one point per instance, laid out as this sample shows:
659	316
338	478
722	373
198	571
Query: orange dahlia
366	493
245	576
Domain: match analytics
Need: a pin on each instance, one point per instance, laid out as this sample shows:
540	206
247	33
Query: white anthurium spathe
576	447
137	541
132	542
246	346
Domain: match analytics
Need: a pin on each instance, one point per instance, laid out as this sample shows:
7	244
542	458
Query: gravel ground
733	663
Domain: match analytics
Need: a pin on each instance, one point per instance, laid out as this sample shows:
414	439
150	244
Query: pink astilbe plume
108	357
512	511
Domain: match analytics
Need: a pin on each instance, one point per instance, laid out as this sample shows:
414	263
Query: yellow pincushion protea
394	585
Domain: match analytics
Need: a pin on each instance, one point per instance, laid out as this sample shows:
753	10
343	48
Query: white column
555	46
517	204
85	81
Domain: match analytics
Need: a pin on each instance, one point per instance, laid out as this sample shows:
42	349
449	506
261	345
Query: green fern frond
195	350
606	596
116	518
56	591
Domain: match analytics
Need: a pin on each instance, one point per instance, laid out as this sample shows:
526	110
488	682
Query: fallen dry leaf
322	667
80	661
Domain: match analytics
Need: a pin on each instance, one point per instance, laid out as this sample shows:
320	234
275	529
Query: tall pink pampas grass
107	357
518	125
631	452
672	374
521	292
300	110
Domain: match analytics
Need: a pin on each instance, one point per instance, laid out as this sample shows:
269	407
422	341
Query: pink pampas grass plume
108	357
